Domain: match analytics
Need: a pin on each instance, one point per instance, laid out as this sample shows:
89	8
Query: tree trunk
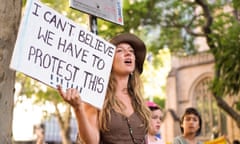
208	31
64	123
229	110
10	13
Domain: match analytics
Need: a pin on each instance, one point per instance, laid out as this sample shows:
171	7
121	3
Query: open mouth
128	61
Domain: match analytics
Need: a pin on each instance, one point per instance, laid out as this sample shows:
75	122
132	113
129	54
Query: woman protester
124	117
190	125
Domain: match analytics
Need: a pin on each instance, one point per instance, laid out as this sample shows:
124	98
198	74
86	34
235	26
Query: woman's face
155	121
124	59
190	124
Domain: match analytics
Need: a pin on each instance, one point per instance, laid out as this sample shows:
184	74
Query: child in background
190	125
155	123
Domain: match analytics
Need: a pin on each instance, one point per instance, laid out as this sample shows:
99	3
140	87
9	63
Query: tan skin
87	115
155	124
190	125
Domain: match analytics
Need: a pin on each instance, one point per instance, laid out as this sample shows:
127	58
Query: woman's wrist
77	108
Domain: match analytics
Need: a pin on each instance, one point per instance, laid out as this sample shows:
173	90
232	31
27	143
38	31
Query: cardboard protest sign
56	51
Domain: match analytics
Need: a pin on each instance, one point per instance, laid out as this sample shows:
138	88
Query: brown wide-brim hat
136	43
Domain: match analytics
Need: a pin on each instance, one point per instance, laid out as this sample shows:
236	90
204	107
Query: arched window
213	118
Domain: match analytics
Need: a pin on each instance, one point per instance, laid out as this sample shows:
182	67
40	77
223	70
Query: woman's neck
122	84
123	96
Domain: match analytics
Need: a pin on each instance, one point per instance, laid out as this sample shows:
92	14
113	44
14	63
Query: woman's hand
86	115
71	96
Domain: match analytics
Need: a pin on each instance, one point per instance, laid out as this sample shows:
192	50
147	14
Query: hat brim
137	44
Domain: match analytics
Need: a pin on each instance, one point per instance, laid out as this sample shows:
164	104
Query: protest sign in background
56	51
110	10
219	140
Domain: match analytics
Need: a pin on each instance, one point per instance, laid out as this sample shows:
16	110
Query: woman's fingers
71	96
59	88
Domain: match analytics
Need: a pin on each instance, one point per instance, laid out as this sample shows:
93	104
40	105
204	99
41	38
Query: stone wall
185	74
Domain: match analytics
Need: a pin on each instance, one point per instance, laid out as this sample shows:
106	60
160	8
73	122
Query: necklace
135	141
125	90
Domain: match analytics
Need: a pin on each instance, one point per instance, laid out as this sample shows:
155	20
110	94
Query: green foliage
227	53
49	94
33	88
178	32
238	105
62	6
24	2
236	4
159	101
136	15
28	85
175	18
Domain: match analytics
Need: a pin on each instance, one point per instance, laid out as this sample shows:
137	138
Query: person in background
215	132
124	117
236	141
155	123
40	134
190	125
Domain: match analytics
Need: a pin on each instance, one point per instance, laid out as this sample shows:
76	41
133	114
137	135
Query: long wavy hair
111	101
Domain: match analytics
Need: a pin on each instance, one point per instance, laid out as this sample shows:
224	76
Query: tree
180	24
10	13
43	95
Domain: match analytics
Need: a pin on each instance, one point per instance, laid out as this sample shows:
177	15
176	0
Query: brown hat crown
136	43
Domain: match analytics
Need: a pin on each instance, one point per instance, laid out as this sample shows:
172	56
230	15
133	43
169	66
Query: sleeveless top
181	140
124	130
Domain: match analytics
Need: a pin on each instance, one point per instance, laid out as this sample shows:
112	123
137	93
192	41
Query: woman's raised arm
86	115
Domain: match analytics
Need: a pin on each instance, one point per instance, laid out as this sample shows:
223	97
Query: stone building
187	86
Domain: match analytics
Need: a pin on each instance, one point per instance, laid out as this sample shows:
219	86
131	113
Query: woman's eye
131	50
119	50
